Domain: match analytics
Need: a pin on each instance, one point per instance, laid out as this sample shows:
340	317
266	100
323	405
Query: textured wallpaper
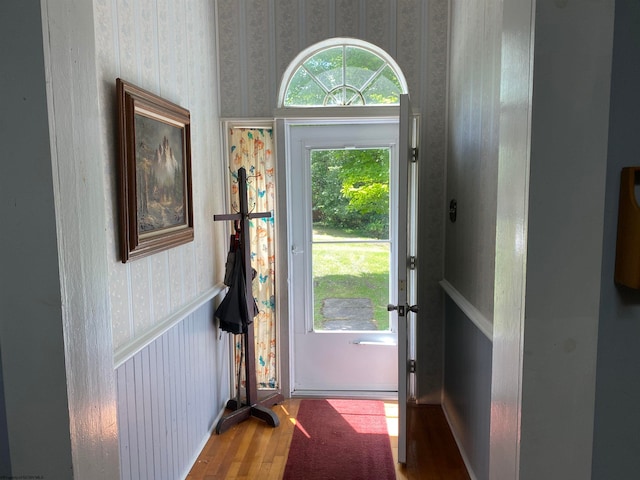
259	38
168	48
472	159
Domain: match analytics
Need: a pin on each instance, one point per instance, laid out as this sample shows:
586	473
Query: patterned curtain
252	148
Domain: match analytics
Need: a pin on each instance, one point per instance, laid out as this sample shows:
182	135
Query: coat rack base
260	410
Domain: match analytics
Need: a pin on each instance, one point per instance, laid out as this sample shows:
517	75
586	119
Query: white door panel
345	364
353	361
334	360
404	275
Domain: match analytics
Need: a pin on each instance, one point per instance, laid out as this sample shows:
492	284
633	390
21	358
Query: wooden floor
253	450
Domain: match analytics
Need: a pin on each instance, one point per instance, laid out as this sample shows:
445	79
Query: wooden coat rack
259	408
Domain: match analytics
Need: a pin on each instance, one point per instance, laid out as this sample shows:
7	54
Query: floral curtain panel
252	148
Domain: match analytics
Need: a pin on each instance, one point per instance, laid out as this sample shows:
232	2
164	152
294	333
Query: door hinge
412	262
411	366
414	154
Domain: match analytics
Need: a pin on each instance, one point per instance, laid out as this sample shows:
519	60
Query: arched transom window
342	72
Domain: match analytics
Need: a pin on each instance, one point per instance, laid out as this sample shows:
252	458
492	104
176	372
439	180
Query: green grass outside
350	270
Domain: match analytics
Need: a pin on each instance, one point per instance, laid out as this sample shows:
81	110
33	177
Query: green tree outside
350	190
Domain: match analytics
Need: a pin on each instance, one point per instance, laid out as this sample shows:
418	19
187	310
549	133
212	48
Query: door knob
400	308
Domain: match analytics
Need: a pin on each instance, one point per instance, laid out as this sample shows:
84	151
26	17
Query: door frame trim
368	394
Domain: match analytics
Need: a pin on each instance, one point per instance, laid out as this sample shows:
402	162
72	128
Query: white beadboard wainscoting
170	395
466	396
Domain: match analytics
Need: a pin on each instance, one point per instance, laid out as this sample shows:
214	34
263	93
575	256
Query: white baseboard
203	443
463	454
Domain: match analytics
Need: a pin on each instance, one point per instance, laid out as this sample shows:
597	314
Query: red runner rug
340	439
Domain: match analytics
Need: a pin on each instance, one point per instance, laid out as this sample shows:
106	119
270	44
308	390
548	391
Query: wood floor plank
277	468
253	449
432	453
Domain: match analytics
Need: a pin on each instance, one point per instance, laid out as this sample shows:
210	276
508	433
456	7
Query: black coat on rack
240	310
233	313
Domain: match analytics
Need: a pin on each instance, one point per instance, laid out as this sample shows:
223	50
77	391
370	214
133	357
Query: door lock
401	308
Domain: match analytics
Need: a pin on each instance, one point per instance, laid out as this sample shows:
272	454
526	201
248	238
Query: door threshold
368	394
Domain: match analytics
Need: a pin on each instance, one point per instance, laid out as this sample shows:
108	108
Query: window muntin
343	75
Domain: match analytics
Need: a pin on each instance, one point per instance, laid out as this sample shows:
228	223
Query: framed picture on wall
155	200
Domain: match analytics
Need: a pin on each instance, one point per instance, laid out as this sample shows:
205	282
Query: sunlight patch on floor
300	427
391	412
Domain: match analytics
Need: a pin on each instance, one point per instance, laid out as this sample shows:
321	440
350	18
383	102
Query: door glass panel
360	66
385	89
305	86
326	66
350	240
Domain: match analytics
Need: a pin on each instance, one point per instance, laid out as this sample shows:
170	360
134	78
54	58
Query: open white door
404	288
352	361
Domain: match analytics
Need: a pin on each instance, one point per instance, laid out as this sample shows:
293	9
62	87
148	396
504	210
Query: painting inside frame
155	173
